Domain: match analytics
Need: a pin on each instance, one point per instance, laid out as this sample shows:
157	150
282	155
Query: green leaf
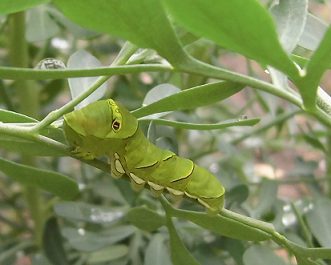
237	195
83	240
145	219
290	19
13	6
241	26
191	98
50	181
197	126
157	93
108	254
224	226
315	69
84	60
319	221
156	252
79	211
179	253
40	26
53	243
142	22
28	147
259	255
267	197
11	116
313	33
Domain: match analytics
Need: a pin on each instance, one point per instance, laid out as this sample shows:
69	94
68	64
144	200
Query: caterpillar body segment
106	128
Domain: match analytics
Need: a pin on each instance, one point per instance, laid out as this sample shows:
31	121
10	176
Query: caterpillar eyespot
116	125
132	155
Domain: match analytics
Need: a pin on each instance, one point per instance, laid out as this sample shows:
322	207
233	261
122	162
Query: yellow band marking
136	179
155	186
175	192
190	196
119	167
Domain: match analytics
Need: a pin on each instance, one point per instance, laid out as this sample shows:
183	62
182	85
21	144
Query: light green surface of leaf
40	26
108	254
260	255
224	226
319	221
315	69
313	33
191	98
267	197
179	253
290	18
156	94
197	126
80	211
156	252
27	147
11	116
84	60
241	26
142	22
84	240
12	6
145	219
50	181
53	243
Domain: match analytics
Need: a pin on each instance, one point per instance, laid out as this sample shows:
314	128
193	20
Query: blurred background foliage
276	171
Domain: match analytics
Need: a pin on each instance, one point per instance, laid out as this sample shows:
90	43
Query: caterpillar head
99	127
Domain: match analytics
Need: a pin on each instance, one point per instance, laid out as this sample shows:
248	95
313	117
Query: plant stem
328	164
122	57
29	105
197	67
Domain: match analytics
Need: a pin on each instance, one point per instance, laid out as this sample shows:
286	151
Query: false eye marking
118	166
116	125
136	179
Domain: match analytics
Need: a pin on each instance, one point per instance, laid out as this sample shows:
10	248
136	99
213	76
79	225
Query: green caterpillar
107	128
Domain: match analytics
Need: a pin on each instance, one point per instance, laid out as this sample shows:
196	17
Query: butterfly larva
107	128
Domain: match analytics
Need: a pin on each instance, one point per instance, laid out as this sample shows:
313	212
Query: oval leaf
191	98
142	22
157	93
53	243
108	254
83	240
197	126
315	69
40	26
259	255
50	181
224	226
319	221
11	116
13	6
179	253
84	60
241	26
80	211
290	19
156	252
145	219
313	33
28	147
